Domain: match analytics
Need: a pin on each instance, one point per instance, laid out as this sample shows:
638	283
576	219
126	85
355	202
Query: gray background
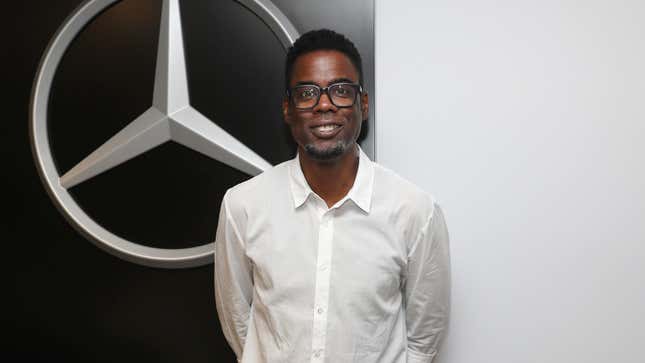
526	120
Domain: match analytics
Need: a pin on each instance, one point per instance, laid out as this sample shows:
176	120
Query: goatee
326	154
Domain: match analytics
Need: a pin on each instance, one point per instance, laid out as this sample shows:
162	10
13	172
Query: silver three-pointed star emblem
170	117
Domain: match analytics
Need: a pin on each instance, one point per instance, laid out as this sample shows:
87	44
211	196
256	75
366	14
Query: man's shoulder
400	194
259	186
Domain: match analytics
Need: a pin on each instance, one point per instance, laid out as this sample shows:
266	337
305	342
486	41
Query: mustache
329	116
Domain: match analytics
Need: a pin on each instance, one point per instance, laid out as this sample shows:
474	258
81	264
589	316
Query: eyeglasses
341	95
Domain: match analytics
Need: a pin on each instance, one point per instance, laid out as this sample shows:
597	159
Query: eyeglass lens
341	95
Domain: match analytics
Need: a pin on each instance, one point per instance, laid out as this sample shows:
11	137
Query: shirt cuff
416	357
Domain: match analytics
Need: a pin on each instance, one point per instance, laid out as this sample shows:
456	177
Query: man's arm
233	281
427	290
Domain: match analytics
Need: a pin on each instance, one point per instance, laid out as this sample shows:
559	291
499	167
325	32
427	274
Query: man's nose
325	104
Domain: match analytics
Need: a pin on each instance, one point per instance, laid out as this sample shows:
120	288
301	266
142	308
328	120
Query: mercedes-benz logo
170	117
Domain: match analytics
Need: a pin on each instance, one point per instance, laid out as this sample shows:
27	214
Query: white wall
526	119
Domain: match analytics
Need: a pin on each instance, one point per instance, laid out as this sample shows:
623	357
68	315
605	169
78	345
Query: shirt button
317	354
320	310
323	267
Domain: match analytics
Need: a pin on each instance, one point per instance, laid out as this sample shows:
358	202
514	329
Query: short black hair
322	39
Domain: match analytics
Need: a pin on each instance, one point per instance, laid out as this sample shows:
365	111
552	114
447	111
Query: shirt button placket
325	238
317	353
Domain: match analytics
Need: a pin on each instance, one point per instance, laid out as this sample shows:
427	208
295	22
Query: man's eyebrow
335	80
341	80
303	83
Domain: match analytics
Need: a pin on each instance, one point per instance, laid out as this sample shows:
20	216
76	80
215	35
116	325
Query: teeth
326	128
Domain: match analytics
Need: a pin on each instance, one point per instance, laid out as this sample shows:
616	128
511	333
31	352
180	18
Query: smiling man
330	257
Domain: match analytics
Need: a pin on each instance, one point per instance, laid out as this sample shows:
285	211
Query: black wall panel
65	299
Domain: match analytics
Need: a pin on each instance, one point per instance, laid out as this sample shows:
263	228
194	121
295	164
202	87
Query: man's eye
342	91
308	93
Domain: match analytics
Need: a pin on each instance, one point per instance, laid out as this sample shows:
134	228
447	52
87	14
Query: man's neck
331	180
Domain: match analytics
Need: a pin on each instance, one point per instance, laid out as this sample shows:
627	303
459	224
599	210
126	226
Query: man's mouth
326	131
326	128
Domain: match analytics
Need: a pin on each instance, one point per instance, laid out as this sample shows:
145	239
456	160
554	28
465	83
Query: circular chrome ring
106	240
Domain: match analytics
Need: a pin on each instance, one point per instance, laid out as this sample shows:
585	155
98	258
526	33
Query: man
330	257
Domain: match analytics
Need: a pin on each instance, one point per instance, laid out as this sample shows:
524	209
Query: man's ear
286	114
365	105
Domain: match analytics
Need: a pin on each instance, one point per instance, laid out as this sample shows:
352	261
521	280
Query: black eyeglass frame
325	90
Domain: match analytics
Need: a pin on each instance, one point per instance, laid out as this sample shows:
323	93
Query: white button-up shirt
367	280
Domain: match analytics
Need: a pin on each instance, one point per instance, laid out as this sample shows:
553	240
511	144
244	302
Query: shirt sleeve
427	290
233	281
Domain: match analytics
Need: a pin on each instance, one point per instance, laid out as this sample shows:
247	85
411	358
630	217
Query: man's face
325	132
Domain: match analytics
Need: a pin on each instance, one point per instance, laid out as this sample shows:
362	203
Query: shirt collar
360	193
